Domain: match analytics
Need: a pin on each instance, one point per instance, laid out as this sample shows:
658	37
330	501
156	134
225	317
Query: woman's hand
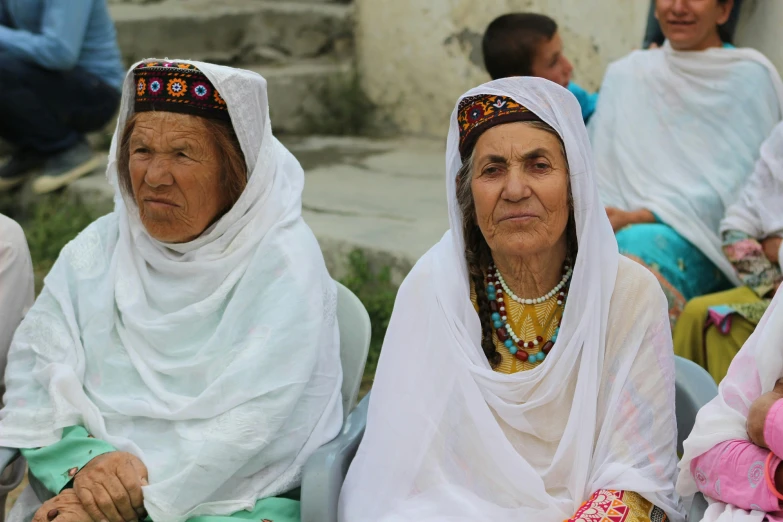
109	487
65	507
622	218
758	414
771	247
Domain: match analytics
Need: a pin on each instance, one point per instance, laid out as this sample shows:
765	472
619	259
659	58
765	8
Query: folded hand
65	507
109	487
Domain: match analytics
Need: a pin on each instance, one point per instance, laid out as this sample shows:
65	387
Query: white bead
504	318
535	342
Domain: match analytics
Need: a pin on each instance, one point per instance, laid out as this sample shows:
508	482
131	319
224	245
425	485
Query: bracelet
770	483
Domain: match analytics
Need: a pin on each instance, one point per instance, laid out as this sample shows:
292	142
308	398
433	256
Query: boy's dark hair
511	41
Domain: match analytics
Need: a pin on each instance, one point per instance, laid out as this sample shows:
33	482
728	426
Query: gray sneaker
15	171
66	167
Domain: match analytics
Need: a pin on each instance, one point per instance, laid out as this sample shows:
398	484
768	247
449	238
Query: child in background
528	44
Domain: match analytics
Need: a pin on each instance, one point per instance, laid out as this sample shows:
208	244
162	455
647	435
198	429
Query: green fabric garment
55	466
709	348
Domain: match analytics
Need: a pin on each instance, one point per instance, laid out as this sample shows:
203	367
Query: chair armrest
325	470
11	478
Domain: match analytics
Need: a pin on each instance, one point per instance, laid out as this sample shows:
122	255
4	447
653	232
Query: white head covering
216	362
753	372
450	439
677	133
759	210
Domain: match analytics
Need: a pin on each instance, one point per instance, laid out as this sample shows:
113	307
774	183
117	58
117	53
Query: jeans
46	112
653	33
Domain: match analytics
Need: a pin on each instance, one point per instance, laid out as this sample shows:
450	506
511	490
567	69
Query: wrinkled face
176	176
692	25
520	190
551	64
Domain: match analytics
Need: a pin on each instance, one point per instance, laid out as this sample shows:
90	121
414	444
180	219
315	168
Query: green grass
53	221
377	292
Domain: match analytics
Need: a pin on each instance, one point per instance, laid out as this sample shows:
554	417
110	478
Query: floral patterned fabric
618	506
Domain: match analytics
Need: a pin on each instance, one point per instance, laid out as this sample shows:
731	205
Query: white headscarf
216	362
753	372
677	133
450	439
759	210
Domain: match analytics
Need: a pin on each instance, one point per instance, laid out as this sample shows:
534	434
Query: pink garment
733	471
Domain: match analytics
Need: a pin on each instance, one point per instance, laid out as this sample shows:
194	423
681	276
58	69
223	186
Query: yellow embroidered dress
540	321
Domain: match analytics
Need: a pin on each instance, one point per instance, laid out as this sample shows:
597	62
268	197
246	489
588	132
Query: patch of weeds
346	109
53	221
377	292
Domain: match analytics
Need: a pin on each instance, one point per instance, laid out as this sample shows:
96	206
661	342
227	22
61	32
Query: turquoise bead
496	316
498	324
491	289
509	343
554	338
541	356
492	297
513	349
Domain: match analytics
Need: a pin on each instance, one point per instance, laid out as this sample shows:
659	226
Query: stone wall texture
418	56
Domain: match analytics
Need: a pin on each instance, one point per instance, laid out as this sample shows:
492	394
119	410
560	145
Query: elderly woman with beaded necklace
527	372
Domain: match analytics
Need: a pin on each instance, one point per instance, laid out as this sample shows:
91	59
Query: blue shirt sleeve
587	101
57	47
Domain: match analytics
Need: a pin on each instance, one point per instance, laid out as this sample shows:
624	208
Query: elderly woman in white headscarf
733	455
182	359
527	373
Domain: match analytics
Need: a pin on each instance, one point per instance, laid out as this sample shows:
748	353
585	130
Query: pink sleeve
733	472
773	428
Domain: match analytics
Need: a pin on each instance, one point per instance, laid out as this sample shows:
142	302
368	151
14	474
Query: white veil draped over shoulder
449	439
677	133
216	361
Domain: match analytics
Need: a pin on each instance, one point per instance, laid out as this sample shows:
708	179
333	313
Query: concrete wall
760	27
418	56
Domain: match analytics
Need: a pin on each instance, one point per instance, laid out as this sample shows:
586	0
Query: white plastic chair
355	332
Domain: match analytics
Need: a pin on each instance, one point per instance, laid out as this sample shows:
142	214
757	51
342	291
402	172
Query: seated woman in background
527	372
733	455
156	373
675	134
17	289
713	328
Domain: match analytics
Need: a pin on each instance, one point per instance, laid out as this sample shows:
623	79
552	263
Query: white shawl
677	133
450	439
752	373
759	210
216	362
17	288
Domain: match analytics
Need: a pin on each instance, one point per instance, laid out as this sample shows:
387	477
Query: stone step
232	31
294	91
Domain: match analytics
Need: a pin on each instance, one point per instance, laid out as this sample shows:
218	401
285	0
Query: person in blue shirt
528	44
60	78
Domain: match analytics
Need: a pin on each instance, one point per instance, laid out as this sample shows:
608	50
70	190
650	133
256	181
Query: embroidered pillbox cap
177	87
477	114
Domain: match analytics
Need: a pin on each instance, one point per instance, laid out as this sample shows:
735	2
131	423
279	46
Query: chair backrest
694	388
355	331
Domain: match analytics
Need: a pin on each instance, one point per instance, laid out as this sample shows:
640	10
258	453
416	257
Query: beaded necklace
496	287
